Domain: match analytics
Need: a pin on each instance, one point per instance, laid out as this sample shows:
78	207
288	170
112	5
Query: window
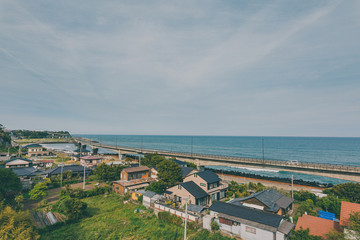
250	230
213	197
225	221
222	194
203	184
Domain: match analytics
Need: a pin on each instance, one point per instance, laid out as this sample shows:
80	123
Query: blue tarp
326	215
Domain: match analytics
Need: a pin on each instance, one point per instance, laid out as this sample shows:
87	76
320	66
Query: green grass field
109	218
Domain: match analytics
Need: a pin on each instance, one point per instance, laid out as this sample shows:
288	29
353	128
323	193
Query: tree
349	191
151	160
73	208
158	187
108	173
169	172
304	195
335	235
214	226
302	234
330	204
354	223
9	184
306	206
39	191
16	225
68	174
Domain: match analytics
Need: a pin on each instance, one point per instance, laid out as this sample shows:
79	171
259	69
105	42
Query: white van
293	162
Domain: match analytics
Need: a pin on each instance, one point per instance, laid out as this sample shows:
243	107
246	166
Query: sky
238	68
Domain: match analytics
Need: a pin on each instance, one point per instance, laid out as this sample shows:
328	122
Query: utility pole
62	165
192	141
263	154
186	216
292	186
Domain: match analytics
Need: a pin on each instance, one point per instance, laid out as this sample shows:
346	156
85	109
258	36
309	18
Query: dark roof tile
246	213
194	189
209	176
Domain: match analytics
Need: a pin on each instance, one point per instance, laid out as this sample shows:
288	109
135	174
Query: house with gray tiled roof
18	162
28	174
76	169
248	223
200	188
268	200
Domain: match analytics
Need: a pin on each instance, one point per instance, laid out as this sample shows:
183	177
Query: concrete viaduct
345	172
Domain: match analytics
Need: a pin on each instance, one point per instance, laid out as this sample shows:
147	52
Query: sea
325	150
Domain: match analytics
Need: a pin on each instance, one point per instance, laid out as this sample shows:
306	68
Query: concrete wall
176	212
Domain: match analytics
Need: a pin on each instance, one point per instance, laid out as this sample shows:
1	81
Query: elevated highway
345	172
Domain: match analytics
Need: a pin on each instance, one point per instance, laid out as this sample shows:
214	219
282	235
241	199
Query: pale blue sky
258	68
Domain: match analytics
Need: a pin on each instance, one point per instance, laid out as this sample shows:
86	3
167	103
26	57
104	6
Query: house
126	186
248	223
317	226
268	200
82	151
348	208
28	174
76	170
186	171
199	188
210	183
149	197
133	179
135	173
90	161
187	192
180	163
18	163
35	150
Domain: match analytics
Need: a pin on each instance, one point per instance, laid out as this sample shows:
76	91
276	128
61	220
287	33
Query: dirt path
267	183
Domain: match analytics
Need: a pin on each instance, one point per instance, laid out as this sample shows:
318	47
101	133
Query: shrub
73	208
214	226
167	217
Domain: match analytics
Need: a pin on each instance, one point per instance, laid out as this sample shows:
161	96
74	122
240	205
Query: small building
317	226
348	208
35	150
268	200
133	179
18	163
210	183
181	163
248	223
126	186
28	174
149	197
131	173
76	170
90	161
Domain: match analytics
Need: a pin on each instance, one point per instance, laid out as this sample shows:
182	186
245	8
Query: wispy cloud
183	67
